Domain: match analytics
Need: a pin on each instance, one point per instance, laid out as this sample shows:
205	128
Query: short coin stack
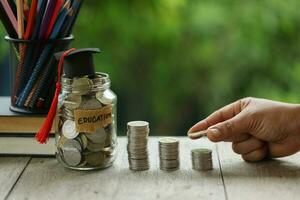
202	159
169	153
137	148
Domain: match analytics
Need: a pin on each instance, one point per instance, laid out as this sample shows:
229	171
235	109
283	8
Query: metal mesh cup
33	72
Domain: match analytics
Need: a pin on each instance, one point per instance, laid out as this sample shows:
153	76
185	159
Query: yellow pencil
20	12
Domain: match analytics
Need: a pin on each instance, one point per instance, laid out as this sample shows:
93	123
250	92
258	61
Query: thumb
228	129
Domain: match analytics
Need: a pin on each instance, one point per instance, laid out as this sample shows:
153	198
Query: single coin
90	102
99	136
72	156
137	124
198	134
84	140
94	147
67	114
72	101
69	143
168	140
202	151
69	129
81	86
95	159
105	98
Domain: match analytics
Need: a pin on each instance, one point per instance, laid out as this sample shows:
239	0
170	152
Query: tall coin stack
137	133
202	159
169	153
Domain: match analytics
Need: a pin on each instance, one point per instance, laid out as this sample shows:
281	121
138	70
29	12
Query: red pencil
57	8
31	19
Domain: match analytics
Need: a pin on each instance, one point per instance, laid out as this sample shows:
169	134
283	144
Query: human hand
256	127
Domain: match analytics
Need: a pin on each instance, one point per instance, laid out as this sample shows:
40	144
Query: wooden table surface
231	178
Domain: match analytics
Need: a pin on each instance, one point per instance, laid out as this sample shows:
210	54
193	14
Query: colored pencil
40	23
46	18
39	17
47	72
10	14
12	32
20	11
31	20
57	8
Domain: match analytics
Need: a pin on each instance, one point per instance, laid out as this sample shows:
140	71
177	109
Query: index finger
223	114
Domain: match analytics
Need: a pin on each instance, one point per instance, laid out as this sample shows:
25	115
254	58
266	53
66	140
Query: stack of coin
202	159
169	153
137	133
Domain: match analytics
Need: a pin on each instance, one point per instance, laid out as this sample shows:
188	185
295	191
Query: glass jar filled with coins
86	136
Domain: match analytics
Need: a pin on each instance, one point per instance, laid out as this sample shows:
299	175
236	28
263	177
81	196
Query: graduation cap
74	63
78	63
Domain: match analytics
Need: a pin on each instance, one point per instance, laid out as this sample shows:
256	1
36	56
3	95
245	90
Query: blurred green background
173	62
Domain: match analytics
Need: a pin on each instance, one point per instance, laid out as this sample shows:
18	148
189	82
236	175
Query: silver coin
136	125
71	144
105	99
90	103
84	140
96	158
72	156
168	140
201	151
202	159
72	101
68	114
137	147
81	86
99	136
138	164
168	153
94	147
69	129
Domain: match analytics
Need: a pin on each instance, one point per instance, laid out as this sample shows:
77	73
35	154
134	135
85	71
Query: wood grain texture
273	179
11	169
46	179
181	184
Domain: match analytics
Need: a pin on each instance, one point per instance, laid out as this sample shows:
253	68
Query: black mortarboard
78	63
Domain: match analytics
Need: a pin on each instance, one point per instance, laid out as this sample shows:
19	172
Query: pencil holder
33	72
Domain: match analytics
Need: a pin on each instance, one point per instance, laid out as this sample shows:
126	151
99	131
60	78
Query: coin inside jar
71	151
83	140
95	159
72	156
72	101
61	140
99	136
104	98
81	86
69	129
90	102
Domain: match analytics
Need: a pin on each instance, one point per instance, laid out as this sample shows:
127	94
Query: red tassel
43	134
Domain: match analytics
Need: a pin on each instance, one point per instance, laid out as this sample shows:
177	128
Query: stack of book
17	133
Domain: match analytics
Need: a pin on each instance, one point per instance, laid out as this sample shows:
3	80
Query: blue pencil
45	75
39	17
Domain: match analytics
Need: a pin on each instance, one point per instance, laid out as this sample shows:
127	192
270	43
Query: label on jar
91	119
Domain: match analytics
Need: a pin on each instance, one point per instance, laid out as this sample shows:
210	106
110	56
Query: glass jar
86	123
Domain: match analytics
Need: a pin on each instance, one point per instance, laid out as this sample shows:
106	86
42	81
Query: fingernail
215	132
